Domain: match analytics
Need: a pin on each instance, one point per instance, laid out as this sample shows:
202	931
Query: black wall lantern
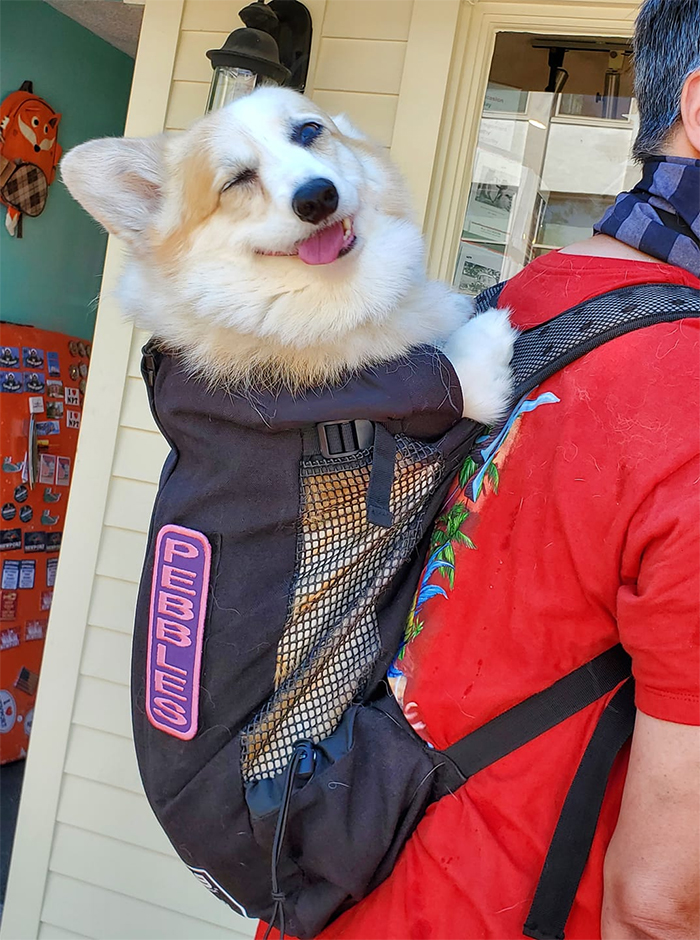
273	46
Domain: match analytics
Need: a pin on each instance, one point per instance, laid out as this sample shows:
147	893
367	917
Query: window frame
472	53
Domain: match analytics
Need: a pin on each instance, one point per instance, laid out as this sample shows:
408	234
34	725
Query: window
555	137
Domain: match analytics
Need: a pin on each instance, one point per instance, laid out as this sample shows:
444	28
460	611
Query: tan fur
253	365
193	184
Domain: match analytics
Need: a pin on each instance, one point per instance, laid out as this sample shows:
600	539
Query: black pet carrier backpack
286	543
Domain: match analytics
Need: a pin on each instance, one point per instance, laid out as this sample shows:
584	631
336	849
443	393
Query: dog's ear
347	128
118	180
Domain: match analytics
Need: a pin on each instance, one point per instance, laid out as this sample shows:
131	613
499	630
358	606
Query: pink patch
176	630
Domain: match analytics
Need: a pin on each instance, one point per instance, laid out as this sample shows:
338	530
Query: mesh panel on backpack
587	325
331	639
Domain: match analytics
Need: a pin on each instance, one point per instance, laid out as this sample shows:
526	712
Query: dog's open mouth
324	246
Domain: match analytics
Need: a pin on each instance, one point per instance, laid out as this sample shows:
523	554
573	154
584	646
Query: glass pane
505	99
594	106
548	162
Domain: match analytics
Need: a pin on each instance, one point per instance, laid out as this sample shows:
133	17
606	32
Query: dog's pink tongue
323	247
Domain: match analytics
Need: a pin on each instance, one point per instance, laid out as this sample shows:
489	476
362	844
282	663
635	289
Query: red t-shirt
584	535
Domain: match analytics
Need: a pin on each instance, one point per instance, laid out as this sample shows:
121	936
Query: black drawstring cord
302	757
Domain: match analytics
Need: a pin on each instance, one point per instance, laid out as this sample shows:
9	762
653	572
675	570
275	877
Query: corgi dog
271	243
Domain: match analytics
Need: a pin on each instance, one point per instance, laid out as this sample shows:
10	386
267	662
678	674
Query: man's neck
603	246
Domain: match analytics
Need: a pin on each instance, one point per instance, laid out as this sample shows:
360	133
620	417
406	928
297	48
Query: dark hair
666	52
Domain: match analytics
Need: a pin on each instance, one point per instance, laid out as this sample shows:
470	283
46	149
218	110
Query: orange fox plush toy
28	142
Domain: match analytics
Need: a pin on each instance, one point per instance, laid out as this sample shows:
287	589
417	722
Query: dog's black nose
315	200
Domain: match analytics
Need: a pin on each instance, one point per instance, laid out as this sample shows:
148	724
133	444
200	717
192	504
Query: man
584	534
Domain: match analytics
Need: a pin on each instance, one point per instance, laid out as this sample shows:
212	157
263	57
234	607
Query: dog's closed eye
245	176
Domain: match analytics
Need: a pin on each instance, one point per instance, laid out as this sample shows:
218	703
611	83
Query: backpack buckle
344	438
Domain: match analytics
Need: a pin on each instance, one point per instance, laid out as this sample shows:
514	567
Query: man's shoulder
603	246
559	280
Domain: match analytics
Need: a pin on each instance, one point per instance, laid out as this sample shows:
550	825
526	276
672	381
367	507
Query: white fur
198	279
476	352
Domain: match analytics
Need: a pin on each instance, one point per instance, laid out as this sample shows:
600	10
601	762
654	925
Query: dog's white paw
480	352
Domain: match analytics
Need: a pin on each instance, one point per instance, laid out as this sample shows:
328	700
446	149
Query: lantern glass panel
228	84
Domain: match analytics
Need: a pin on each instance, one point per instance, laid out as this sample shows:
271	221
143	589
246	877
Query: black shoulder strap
573	836
545	349
568	851
540	712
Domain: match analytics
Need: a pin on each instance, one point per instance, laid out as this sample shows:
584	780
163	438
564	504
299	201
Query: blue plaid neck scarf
661	215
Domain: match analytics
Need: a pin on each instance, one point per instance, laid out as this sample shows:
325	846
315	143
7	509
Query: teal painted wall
51	276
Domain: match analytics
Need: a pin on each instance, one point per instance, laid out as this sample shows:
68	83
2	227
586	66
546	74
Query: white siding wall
90	860
359	52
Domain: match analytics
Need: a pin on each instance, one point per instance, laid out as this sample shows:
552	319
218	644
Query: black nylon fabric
233	474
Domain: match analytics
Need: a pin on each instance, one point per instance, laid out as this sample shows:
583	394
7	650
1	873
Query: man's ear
118	180
690	112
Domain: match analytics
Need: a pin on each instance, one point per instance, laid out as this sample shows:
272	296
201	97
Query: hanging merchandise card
53	541
53	366
9	382
34	382
9	357
32	358
46	598
35	630
48	427
27	681
51	566
54	389
36	404
72	396
8	639
47	469
27	570
73	419
62	471
10	539
35	541
8	605
10	575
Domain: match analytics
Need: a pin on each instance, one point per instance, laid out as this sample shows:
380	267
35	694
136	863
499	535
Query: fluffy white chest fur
270	242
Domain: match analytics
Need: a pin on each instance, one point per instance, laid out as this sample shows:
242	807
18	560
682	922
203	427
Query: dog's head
266	220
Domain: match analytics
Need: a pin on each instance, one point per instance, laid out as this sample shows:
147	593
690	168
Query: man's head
667	78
